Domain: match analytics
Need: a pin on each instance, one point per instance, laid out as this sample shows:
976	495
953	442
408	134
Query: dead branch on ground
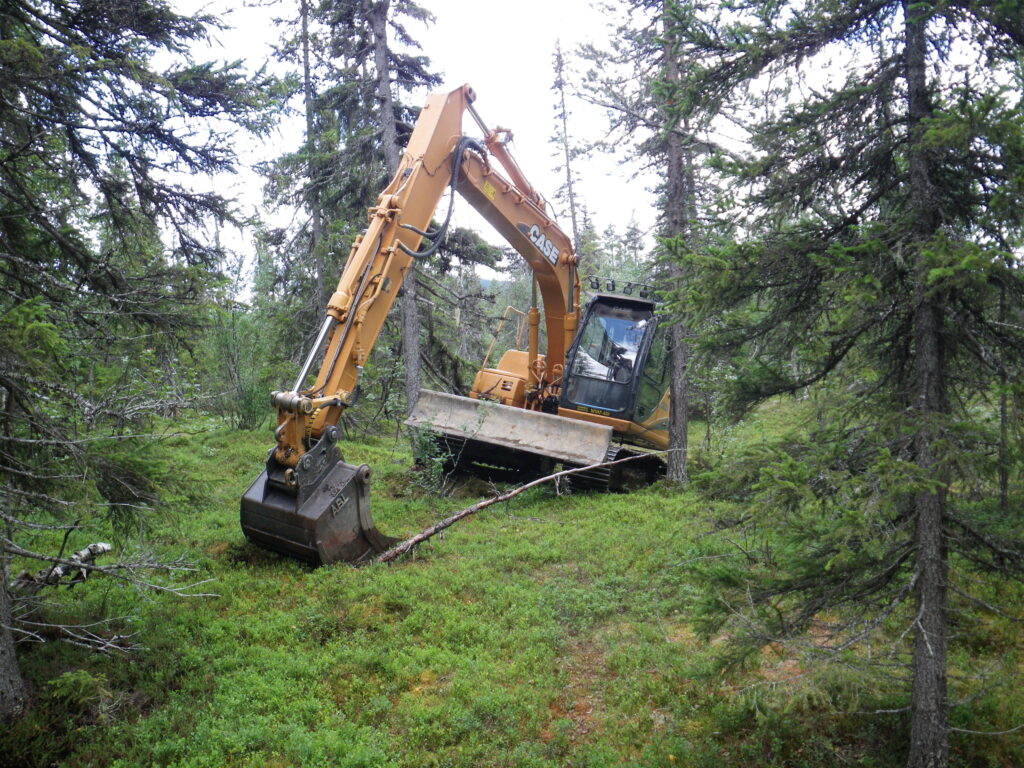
404	547
50	576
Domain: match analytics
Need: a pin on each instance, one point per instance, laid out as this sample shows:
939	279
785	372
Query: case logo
548	249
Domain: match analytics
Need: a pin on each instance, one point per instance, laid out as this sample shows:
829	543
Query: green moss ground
545	632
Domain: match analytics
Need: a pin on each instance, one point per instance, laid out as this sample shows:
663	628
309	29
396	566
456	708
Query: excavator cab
612	391
616	351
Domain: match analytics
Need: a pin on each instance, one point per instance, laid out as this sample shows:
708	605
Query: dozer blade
502	436
321	516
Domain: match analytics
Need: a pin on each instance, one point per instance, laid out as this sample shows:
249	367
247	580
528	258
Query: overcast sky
504	51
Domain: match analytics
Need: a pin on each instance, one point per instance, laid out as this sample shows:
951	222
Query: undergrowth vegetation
555	630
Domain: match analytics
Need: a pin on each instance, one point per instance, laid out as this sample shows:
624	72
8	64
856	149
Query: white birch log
51	576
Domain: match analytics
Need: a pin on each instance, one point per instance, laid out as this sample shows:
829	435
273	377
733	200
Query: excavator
599	384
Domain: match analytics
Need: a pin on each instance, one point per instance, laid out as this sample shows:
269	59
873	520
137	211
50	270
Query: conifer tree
567	192
882	220
359	60
638	81
104	253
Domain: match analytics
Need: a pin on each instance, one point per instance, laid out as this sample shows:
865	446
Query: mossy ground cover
550	631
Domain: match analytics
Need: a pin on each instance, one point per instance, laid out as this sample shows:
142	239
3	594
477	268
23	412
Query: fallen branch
52	575
81	635
400	549
126	570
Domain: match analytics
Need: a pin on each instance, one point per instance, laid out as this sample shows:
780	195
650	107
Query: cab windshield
602	367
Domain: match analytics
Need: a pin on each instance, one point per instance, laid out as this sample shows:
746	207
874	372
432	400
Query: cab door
605	364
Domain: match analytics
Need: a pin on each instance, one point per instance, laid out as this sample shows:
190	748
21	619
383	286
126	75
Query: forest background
835	233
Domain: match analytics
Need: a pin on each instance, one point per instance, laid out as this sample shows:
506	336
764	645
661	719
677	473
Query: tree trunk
679	203
313	197
377	16
929	745
12	687
929	730
1004	382
411	340
679	404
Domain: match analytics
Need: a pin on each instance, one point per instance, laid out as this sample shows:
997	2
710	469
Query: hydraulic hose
438	234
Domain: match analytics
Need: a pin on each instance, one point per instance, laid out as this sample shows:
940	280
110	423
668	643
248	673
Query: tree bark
313	196
929	730
411	340
51	575
12	686
377	16
929	747
1004	382
679	203
679	400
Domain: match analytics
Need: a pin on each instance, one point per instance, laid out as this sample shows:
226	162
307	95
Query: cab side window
654	380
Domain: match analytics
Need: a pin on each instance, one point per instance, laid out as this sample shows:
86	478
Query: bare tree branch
404	547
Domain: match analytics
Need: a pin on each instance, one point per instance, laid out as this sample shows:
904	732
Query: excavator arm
308	502
377	265
438	156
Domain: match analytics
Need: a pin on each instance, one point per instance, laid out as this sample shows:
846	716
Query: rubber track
597	479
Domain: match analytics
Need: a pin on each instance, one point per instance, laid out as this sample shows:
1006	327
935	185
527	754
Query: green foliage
433	460
339	169
876	276
242	363
77	690
29	333
104	262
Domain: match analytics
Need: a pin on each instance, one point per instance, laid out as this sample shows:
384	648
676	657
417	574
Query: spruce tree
105	251
880	207
360	64
638	81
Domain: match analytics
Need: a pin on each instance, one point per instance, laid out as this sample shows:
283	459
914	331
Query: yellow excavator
599	383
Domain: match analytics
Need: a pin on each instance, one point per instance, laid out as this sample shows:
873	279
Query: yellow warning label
489	190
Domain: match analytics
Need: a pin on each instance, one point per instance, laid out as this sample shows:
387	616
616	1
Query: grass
547	632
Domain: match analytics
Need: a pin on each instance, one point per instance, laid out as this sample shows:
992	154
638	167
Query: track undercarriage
320	511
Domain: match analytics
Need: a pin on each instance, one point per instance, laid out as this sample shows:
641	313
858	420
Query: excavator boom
308	502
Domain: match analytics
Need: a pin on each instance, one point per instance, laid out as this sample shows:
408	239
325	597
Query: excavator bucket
319	513
482	435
